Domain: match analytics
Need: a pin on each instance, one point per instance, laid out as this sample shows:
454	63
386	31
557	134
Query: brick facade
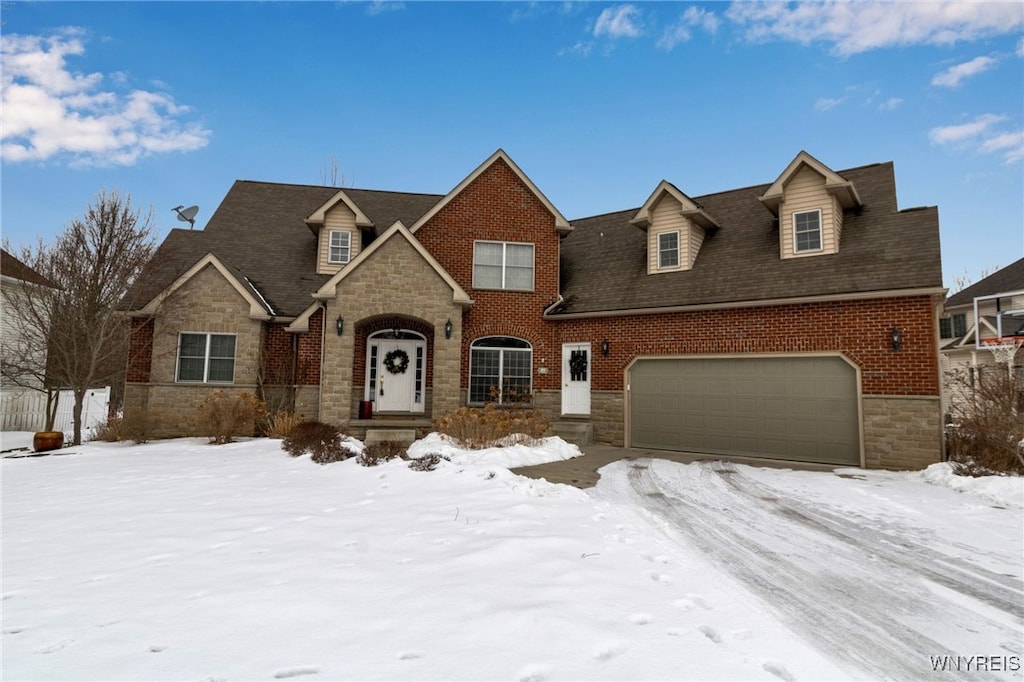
395	287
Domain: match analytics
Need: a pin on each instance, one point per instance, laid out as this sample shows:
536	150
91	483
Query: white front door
396	372
576	378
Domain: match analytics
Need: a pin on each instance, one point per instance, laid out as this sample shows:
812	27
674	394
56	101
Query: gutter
862	296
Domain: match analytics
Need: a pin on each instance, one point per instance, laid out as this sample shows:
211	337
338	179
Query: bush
322	441
988	423
376	453
426	462
135	425
491	426
281	423
224	414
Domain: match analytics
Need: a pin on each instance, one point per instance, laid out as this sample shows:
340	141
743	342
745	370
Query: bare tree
964	280
92	264
330	176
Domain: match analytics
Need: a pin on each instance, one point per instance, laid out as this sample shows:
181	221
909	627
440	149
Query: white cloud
1010	144
618	22
891	104
828	103
957	133
1020	48
50	111
680	32
980	136
382	6
854	27
951	77
580	49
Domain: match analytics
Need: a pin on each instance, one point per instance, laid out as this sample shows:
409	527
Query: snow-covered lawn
179	560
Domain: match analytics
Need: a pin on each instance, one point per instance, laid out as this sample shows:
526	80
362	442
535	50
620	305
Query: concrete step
403	436
576	432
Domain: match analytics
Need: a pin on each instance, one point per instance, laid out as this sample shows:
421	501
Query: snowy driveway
882	586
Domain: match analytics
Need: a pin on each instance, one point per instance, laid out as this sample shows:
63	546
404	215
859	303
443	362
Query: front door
576	378
398	366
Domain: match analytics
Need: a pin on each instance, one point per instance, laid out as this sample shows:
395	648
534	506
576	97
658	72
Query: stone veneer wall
206	303
396	281
901	433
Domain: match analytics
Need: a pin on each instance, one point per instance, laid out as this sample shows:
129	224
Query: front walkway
582	471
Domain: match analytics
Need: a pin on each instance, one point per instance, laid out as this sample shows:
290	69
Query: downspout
295	370
323	344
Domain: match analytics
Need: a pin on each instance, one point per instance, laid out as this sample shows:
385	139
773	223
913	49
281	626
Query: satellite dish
187	215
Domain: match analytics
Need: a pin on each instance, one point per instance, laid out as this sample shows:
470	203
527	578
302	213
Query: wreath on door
396	361
578	364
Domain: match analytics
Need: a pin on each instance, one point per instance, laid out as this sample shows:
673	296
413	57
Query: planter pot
44	441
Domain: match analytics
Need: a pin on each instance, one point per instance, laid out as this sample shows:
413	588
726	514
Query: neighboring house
15	342
988	310
793	320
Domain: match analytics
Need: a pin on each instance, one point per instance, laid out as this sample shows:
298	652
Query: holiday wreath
578	364
396	361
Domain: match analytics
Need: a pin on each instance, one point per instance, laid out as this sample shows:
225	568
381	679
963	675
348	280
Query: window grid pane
484	374
807	230
340	246
668	250
501	265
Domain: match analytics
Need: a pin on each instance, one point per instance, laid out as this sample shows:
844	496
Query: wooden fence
25	410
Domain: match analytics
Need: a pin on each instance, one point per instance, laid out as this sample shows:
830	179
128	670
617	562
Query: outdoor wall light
605	348
339	325
448	329
897	339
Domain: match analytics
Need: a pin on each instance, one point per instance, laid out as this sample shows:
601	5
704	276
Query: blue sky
597	102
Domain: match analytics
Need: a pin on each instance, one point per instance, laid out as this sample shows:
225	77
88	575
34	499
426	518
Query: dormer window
340	246
807	231
668	250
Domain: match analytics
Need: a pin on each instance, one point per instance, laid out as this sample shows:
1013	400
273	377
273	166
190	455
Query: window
807	231
503	265
945	328
959	325
340	246
668	250
500	370
206	358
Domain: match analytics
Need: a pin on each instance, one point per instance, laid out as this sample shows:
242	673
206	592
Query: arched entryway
392	360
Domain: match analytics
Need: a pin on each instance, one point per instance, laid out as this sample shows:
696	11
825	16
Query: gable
499	157
259	308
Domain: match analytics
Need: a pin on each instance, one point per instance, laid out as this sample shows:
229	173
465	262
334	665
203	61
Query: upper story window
503	265
500	370
807	231
340	246
953	327
668	250
206	358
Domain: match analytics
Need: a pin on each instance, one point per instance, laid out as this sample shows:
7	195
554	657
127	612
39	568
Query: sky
170	103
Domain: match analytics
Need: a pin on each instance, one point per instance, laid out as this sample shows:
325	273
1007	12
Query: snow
182	560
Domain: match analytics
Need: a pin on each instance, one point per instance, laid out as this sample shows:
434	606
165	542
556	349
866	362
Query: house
795	319
989	310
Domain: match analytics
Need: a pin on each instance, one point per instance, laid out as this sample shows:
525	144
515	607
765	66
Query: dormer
809	199
675	225
337	225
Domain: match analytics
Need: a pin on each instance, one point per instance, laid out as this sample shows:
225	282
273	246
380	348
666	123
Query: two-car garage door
795	408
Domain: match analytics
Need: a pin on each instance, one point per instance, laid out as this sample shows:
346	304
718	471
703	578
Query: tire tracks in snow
852	590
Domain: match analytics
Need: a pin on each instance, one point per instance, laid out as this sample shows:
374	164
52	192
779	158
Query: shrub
988	423
134	424
224	414
281	423
322	441
376	453
426	462
491	426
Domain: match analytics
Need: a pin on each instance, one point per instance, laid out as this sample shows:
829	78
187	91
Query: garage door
798	408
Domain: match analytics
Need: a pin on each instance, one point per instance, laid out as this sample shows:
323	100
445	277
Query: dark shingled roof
15	269
259	233
1010	278
604	259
